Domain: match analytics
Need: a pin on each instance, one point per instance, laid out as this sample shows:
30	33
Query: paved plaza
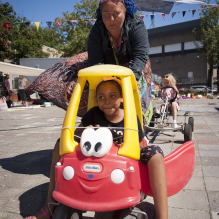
27	138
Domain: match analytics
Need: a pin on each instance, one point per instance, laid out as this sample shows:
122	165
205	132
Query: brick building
172	49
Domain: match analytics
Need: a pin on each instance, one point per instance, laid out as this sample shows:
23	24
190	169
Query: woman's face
113	16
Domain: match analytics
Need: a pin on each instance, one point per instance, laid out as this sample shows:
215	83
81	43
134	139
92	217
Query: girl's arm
141	144
175	88
78	133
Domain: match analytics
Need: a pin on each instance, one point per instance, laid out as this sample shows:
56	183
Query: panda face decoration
96	142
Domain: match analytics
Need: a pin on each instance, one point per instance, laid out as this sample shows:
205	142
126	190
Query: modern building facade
172	50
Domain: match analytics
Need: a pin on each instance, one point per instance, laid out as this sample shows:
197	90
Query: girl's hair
170	78
128	4
111	82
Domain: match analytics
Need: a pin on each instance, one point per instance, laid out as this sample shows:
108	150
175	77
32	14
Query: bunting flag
37	25
27	24
74	22
193	12
49	24
173	14
7	26
18	24
59	23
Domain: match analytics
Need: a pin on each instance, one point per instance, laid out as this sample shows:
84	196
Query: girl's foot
42	214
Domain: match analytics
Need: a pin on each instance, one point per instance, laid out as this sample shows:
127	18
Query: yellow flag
37	25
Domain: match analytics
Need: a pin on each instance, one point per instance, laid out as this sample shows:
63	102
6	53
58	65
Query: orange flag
163	16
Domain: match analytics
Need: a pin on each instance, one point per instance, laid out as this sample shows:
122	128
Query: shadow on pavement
32	163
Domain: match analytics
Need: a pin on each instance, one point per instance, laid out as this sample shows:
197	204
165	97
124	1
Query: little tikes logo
92	168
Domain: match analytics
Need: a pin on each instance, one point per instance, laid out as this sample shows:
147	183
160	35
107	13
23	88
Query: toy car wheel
191	122
65	212
152	124
187	132
134	213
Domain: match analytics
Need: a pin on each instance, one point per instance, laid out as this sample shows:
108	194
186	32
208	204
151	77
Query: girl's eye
101	97
113	95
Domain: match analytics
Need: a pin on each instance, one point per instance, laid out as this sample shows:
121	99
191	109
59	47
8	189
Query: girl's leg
55	159
157	178
174	111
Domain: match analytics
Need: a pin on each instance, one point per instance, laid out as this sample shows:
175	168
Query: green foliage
74	40
19	41
207	37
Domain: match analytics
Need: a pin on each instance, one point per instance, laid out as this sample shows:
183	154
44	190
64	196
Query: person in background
22	84
173	106
7	91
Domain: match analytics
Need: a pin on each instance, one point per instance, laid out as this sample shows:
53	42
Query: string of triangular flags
74	22
174	13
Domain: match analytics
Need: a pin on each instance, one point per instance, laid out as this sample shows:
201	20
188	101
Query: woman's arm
94	46
140	48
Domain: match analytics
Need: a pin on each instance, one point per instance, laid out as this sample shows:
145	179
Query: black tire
146	207
191	122
65	212
187	132
151	123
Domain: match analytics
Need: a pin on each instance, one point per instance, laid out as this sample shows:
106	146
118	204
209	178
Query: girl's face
108	98
113	16
166	83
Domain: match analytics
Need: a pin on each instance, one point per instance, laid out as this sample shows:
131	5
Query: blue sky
48	10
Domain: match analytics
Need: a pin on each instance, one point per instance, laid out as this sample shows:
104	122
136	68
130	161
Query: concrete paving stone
9	197
27	203
8	180
214	201
204	153
195	183
198	170
214	215
209	161
208	147
189	199
177	213
8	215
211	171
212	183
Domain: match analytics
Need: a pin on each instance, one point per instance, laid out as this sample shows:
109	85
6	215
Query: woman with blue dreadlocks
118	37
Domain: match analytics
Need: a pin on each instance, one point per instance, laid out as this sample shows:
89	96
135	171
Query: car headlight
68	173
117	176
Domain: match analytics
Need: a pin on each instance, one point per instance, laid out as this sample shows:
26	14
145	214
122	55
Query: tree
19	41
73	40
207	37
7	15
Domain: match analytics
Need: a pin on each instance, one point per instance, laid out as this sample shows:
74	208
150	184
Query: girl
170	81
108	113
